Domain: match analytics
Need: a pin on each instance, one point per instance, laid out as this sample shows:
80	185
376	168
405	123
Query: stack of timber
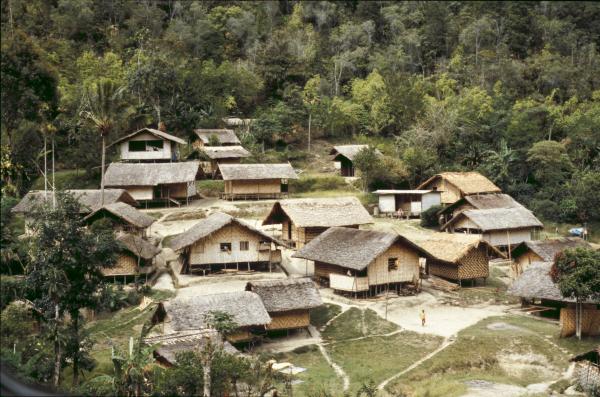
443	285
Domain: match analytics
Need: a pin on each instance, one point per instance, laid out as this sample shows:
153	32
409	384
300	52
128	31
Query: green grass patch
356	323
550	230
210	188
311	183
69	179
319	316
494	291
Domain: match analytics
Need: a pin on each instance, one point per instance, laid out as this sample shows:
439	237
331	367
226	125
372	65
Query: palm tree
103	105
499	163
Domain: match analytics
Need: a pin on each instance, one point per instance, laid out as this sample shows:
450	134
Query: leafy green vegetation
319	316
210	188
69	179
356	323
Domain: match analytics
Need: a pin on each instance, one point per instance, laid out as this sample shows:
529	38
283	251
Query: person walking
422	317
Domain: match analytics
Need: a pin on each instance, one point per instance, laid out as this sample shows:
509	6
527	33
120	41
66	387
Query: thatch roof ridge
224	135
286	294
447	247
90	199
169	345
138	246
188	313
320	212
126	212
155	132
257	171
150	174
224	152
484	201
498	219
471	182
547	249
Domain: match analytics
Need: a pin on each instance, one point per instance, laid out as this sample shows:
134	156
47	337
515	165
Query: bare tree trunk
57	353
53	177
206	370
45	167
75	320
578	315
309	123
102	169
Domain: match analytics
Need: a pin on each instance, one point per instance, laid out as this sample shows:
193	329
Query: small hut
136	258
539	294
256	181
224	244
169	183
217	155
345	154
124	217
455	257
409	202
528	252
478	202
288	301
190	314
363	262
148	144
304	219
223	137
587	371
456	185
501	227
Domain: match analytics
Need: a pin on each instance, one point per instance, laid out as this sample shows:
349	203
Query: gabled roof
224	152
484	202
547	249
448	247
319	212
157	133
188	313
225	136
384	192
351	248
90	199
348	151
287	294
498	219
125	212
467	182
257	171
150	174
138	246
209	225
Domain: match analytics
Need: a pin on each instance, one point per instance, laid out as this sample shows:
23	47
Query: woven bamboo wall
475	264
255	187
289	320
443	270
590	323
323	269
588	377
407	266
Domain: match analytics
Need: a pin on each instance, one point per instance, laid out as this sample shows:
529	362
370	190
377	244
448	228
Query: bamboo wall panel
475	264
590	322
323	269
443	270
289	320
407	266
256	187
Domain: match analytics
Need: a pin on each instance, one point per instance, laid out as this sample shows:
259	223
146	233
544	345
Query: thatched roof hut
345	154
545	250
154	132
133	247
495	219
241	172
455	185
124	212
481	202
150	174
138	246
286	294
90	199
536	283
224	152
225	136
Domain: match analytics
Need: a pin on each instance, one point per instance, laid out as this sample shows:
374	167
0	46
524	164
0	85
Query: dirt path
338	370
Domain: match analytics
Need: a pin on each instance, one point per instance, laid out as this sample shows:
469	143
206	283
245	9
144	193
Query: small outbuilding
501	227
539	294
478	202
587	371
288	301
135	258
217	137
408	203
345	154
191	313
256	181
456	185
216	155
363	262
170	183
529	252
224	244
304	219
148	144
124	217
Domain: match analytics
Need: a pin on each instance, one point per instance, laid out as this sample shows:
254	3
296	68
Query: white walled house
148	144
411	202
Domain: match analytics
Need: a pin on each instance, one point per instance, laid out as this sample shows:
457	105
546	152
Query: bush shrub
429	217
11	289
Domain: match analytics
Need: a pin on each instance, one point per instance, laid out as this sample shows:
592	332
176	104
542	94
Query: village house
457	257
587	371
456	185
256	181
288	301
304	219
345	154
222	243
170	183
501	227
407	203
540	295
148	144
363	262
217	155
529	252
135	258
215	137
477	202
124	217
190	313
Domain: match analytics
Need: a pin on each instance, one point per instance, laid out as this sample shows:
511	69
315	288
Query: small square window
392	264
225	247
244	245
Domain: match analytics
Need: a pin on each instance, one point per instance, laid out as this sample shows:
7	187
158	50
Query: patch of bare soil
520	365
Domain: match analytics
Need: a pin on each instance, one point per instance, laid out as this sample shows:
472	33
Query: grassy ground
356	323
494	291
210	188
319	316
69	179
550	230
481	353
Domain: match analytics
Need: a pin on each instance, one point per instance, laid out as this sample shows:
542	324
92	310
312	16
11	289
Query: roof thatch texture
90	199
384	192
466	182
138	246
224	152
150	174
187	313
225	136
205	227
157	133
170	345
349	151
498	219
484	202
287	294
446	247
547	249
320	212
125	212
350	248
257	171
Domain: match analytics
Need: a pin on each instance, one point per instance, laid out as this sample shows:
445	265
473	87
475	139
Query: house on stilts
456	185
256	181
135	259
215	137
477	202
344	155
148	145
125	218
213	156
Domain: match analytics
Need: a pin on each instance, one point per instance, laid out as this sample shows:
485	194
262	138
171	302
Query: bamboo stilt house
136	258
216	155
536	288
529	252
256	181
478	202
148	144
363	262
345	154
190	314
456	185
223	137
125	218
303	220
221	243
287	301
